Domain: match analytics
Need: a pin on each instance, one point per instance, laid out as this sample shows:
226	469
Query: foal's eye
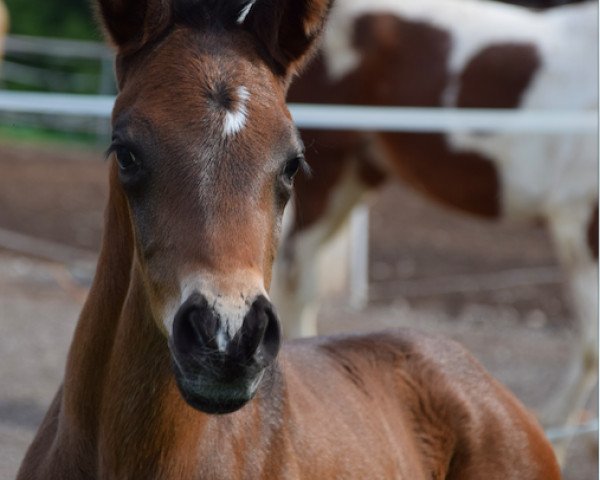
128	163
291	169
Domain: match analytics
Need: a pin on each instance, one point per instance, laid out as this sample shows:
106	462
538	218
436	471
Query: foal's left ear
288	29
132	23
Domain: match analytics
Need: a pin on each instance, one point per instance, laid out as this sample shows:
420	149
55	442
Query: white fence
20	47
344	117
56	47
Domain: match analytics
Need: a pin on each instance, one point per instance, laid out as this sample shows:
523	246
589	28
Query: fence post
359	256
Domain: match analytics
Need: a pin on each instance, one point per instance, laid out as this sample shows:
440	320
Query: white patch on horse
245	11
319	266
566	41
479	21
235	120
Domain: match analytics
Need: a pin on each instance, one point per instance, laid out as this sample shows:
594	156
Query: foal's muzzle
217	371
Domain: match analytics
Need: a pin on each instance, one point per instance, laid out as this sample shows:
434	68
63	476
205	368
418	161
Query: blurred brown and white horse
455	53
178	329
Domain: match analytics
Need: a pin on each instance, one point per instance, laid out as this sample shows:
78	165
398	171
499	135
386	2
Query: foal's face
207	152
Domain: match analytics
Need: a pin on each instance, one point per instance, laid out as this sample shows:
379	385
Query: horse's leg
298	281
569	228
309	260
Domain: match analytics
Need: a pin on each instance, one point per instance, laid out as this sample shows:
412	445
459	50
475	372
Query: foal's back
405	405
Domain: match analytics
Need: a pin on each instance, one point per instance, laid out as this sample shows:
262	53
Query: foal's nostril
272	338
260	330
195	325
257	341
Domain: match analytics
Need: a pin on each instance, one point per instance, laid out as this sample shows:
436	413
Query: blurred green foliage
39	71
39	135
53	18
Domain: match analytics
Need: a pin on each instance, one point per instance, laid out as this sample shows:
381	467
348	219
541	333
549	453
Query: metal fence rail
343	117
22	65
55	47
560	433
97	106
393	119
42	77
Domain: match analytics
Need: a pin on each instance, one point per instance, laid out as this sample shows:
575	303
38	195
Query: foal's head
206	154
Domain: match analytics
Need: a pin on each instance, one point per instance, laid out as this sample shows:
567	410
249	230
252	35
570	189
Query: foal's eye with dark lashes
291	168
128	163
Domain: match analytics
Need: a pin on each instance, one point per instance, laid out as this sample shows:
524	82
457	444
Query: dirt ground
495	288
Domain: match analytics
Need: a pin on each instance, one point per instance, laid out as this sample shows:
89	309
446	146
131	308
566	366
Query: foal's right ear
288	29
132	23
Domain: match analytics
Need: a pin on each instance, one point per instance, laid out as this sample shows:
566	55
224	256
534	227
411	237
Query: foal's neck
143	418
94	338
120	404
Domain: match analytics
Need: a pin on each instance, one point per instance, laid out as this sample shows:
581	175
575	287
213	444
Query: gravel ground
516	322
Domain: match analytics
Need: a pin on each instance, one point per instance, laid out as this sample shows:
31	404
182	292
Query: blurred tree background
45	65
38	59
53	18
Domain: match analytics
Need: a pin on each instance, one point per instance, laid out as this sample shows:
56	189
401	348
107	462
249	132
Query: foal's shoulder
402	345
436	364
454	404
430	360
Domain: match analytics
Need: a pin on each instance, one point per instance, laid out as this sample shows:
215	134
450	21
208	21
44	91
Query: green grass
41	136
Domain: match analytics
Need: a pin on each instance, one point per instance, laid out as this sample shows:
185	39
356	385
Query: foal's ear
288	29
132	23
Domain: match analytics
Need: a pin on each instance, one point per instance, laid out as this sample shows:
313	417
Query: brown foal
175	371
